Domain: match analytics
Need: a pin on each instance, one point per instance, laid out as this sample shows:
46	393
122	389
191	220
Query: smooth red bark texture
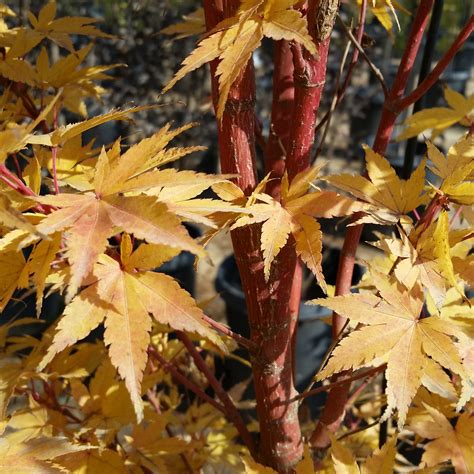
310	76
276	150
442	64
280	443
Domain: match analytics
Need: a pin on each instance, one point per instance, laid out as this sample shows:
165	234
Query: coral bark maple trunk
268	310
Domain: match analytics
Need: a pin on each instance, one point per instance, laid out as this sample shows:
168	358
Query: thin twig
372	66
230	409
333	102
456	216
358	430
17	166
339	382
243	341
180	378
341	91
353	397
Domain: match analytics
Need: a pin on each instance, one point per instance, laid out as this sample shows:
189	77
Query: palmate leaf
14	275
391	196
59	30
394	330
35	455
453	443
89	219
93	462
382	461
67	132
460	110
295	215
456	170
193	24
424	257
122	295
234	40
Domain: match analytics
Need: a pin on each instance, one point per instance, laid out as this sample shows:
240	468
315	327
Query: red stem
243	341
15	182
334	409
310	74
17	166
231	411
282	108
434	75
343	381
455	217
180	378
267	302
341	91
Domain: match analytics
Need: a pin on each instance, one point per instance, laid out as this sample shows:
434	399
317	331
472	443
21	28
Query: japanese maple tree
93	223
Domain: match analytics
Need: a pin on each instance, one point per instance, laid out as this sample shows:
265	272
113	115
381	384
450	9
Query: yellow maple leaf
12	217
66	132
253	467
391	196
343	460
35	455
450	442
234	40
193	24
59	30
437	119
77	83
104	402
382	460
74	163
295	215
93	462
384	10
14	275
92	217
122	296
456	170
442	250
394	330
425	257
38	265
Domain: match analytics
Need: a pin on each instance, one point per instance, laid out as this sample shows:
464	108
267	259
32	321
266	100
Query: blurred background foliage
152	58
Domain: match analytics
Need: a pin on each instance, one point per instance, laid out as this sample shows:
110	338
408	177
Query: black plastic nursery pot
313	336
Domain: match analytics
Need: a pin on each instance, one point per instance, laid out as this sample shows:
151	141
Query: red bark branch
310	77
334	409
267	302
180	378
434	75
342	381
231	411
282	108
241	340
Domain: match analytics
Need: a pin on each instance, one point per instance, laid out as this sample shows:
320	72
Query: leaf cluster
93	224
